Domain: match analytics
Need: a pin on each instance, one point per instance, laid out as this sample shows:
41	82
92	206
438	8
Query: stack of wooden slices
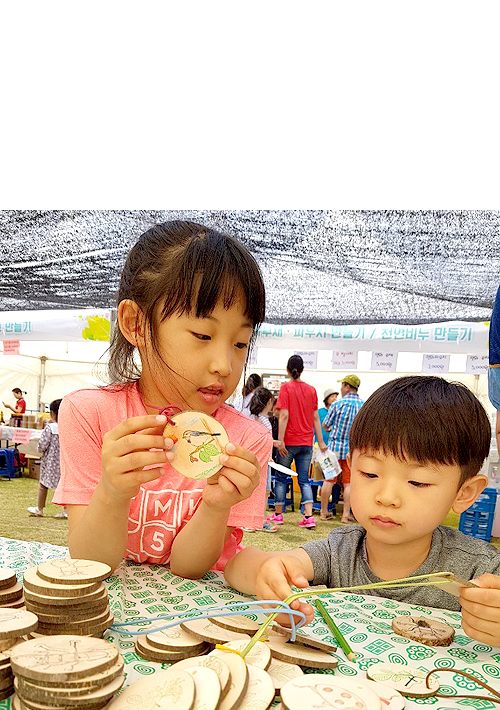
68	597
14	623
11	592
65	672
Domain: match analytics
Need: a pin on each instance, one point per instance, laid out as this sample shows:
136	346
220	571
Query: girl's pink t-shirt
163	506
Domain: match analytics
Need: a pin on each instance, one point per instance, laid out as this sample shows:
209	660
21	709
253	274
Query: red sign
11	347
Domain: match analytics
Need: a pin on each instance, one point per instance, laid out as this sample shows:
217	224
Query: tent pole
41	380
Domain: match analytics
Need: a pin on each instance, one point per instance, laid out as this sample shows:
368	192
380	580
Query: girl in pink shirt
189	302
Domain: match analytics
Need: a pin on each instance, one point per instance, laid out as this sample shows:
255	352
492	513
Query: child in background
20	406
50	468
416	447
242	401
189	302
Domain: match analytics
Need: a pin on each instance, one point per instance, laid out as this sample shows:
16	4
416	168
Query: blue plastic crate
477	521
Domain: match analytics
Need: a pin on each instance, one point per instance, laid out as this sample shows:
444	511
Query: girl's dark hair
261	397
295	366
254	381
18	390
427	419
183	267
54	406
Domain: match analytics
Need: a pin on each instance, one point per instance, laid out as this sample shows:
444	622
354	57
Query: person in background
298	418
494	368
260	407
20	406
50	465
338	422
242	400
329	397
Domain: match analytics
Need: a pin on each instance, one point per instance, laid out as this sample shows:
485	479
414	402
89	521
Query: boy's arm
481	609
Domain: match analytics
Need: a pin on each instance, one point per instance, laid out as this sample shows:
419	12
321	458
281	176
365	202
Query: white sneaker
62	515
35	511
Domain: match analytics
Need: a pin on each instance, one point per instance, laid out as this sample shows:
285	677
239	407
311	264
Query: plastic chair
7	463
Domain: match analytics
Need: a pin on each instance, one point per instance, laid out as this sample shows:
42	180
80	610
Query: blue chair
7	463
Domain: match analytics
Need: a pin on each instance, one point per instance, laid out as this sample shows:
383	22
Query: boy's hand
481	609
273	581
236	481
133	453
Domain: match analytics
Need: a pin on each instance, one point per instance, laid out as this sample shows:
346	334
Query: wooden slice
34	583
93	630
152	653
174	639
214	663
281	672
206	631
408	681
260	691
173	689
16	622
12	593
58	616
239	678
62	657
7	683
72	572
304	639
93	681
422	630
238	624
391	699
326	691
299	654
84	598
4	694
207	688
64	622
199	440
26	704
19	604
259	655
74	697
7	578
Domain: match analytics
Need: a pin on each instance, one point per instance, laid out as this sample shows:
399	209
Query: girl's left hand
236	481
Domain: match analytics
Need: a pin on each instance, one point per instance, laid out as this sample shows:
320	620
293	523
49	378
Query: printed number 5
158	538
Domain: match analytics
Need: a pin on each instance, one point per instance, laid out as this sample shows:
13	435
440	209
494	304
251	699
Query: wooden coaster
281	672
239	678
207	688
422	630
304	639
391	699
215	664
299	654
326	691
7	578
62	696
7	682
34	583
68	619
14	605
49	600
238	624
62	657
206	631
173	689
16	622
174	639
199	440
92	630
26	704
259	655
260	690
4	694
152	653
406	680
93	681
69	571
12	593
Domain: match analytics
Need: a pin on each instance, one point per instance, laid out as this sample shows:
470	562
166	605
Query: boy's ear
348	459
469	492
131	322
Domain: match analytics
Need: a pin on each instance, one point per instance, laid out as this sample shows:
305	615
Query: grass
17	494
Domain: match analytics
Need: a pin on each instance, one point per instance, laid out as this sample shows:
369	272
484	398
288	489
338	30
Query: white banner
385	361
477	364
435	364
344	360
88	324
450	337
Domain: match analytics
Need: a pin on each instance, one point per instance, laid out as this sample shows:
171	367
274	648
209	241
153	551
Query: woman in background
20	406
242	401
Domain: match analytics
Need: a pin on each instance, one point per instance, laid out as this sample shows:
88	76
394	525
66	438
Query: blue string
232	610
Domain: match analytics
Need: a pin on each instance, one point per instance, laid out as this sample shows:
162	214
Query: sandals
328	516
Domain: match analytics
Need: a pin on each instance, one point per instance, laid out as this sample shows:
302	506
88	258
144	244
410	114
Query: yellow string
446	578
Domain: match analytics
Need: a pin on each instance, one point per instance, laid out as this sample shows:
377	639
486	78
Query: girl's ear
469	493
131	322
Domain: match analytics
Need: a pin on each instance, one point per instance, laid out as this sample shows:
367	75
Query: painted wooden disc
391	699
422	630
239	624
326	691
199	440
206	631
173	689
281	672
239	678
305	639
16	622
259	655
7	578
405	679
36	584
299	654
69	571
260	690
207	686
215	664
62	657
174	639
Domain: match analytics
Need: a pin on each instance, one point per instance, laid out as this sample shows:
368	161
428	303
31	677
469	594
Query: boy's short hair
427	419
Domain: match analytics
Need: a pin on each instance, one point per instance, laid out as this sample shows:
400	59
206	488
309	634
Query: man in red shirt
298	418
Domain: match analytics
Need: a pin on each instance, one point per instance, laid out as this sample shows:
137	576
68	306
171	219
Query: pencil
335	631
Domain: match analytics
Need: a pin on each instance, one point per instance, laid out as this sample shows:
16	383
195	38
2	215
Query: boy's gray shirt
340	561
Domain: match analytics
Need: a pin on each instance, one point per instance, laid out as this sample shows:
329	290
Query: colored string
470	677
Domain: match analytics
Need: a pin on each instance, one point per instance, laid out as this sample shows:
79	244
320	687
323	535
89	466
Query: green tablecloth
138	591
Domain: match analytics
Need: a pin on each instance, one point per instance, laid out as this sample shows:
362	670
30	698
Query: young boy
416	447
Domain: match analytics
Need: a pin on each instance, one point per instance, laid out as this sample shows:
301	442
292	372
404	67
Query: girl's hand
236	481
133	453
481	609
274	580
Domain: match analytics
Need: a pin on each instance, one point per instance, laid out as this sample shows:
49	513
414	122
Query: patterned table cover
139	591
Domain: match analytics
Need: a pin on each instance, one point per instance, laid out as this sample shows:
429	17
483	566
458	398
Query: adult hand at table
481	609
